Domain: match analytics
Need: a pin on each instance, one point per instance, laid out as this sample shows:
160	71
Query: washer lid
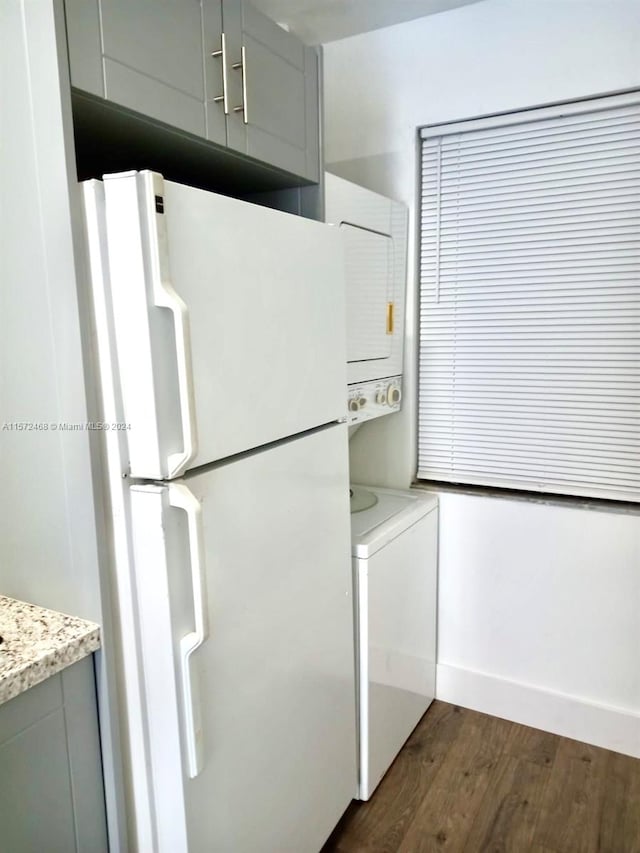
395	511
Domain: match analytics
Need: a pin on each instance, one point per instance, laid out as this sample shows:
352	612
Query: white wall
48	533
536	602
49	509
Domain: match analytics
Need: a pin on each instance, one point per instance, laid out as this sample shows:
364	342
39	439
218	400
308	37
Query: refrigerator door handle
182	498
166	297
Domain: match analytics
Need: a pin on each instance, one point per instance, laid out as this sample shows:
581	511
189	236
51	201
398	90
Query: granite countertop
37	643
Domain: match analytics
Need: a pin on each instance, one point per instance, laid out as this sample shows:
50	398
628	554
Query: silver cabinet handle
222	53
242	66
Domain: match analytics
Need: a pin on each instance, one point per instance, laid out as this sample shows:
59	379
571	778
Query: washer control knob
362	402
381	398
394	394
353	404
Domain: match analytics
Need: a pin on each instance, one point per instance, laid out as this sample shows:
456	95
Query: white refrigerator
220	345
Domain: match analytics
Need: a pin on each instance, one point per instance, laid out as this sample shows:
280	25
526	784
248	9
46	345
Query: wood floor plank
469	783
380	824
445	818
571	808
508	814
620	819
527	744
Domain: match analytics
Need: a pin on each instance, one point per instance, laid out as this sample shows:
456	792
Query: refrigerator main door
228	320
251	729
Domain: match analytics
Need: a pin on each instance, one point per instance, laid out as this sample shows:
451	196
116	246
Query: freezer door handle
166	297
177	462
182	498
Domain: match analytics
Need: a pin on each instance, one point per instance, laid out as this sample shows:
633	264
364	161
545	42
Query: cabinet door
216	71
152	54
273	86
82	19
51	789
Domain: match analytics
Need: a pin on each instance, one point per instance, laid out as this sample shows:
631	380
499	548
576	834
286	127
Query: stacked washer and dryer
394	534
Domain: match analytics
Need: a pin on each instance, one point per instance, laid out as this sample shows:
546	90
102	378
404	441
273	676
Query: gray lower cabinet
51	791
218	69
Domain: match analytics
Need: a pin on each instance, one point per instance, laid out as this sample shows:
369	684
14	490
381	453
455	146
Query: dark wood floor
469	782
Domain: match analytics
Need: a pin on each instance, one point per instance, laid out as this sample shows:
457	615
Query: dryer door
369	272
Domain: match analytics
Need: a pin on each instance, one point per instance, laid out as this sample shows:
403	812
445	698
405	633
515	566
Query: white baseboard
611	728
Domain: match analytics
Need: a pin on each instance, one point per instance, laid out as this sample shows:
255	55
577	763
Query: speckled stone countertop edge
39	643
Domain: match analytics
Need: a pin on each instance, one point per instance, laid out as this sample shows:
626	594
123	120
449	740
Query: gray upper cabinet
84	41
216	72
218	69
149	56
152	54
274	89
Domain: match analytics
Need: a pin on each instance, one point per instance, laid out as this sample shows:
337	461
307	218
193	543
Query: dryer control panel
369	400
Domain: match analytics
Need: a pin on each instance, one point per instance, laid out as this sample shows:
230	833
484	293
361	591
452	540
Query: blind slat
599	187
515	129
529	168
570	144
575	220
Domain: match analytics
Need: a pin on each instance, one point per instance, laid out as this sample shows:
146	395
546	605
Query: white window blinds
529	374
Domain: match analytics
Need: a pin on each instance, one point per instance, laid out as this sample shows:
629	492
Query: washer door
396	638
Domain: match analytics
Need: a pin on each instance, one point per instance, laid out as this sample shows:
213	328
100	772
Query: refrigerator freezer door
228	320
276	680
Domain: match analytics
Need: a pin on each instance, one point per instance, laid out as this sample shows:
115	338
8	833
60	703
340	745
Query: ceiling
321	21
